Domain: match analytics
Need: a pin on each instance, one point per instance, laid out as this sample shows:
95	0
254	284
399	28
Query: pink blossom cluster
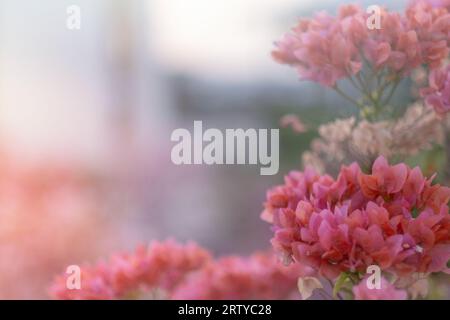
434	3
393	217
176	271
328	48
260	276
387	291
437	94
159	266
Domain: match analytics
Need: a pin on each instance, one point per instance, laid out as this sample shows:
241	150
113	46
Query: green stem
391	93
347	97
352	81
337	294
365	89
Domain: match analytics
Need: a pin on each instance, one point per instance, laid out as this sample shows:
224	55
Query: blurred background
86	117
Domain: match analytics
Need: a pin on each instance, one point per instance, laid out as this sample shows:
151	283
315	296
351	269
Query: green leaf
339	283
415	212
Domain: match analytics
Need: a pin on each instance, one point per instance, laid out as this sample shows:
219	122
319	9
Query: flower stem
366	90
391	93
347	97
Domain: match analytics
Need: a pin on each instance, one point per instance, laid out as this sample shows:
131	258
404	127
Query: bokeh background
86	118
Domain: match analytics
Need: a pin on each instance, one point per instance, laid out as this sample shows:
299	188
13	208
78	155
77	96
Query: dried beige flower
346	140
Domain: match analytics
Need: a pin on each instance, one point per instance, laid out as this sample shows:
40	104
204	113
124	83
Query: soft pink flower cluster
325	48
159	266
387	291
260	276
174	271
394	218
435	3
437	95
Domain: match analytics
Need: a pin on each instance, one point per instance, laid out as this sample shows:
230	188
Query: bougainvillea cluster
437	95
259	276
327	48
387	291
392	217
157	269
169	270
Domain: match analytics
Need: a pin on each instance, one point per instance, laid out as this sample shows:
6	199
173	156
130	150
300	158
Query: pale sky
224	37
231	38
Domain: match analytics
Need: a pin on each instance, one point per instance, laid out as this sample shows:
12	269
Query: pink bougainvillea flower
393	217
260	276
432	26
293	121
434	3
160	266
386	292
319	50
378	52
327	48
286	48
169	270
437	95
384	180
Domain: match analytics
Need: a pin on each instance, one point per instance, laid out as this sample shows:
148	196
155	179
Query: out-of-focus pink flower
45	208
394	218
173	271
437	95
286	48
160	266
378	52
432	26
434	3
260	276
326	49
319	50
293	121
386	292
